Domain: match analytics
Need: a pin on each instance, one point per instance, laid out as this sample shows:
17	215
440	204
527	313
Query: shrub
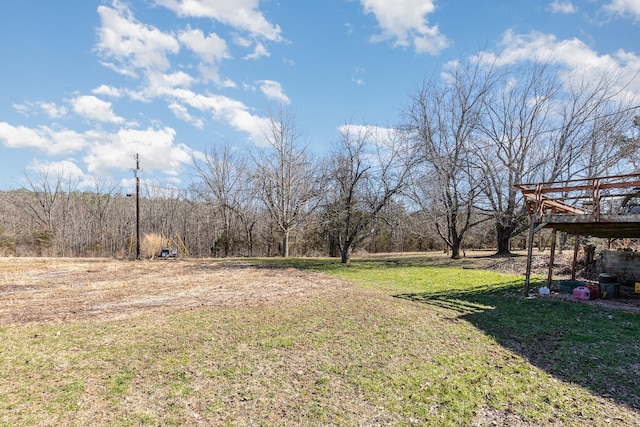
151	245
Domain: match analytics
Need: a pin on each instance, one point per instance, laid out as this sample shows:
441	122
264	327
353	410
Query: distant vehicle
168	253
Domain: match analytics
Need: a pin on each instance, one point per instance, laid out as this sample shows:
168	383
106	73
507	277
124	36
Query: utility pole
135	172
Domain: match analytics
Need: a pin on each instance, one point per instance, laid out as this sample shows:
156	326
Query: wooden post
597	209
551	257
527	278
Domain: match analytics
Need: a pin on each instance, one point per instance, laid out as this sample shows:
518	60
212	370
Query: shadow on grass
487	262
464	301
590	346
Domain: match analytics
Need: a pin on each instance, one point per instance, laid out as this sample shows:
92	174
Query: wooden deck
599	207
606	207
607	226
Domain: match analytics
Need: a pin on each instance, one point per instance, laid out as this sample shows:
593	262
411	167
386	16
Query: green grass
577	344
413	343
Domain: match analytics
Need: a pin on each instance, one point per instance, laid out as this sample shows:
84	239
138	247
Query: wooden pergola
607	207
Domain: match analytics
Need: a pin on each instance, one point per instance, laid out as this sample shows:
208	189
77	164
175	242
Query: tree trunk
334	246
345	254
285	244
455	247
249	231
589	254
503	240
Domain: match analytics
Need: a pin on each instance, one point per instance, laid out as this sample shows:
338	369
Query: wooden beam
527	277
567	181
551	258
542	202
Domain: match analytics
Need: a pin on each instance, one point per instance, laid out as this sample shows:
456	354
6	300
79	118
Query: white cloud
242	15
375	134
258	52
175	89
273	90
21	137
210	74
625	8
573	56
242	41
131	47
223	108
22	109
66	141
47	140
349	28
109	91
104	151
125	71
53	110
143	51
209	48
132	44
65	169
405	23
156	149
159	84
562	7
356	76
571	53
93	108
181	112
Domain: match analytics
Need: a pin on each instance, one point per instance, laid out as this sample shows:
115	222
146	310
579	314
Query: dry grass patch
63	290
152	244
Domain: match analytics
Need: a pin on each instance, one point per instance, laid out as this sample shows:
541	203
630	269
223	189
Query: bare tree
226	185
367	169
50	190
633	140
514	131
608	145
392	229
12	223
98	204
576	133
444	116
45	191
285	175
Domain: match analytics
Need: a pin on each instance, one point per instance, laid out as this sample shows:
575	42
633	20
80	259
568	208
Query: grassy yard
413	341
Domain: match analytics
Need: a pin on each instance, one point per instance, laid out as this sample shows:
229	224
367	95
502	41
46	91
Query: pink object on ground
582	292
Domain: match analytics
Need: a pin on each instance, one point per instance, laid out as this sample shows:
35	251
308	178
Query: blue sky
85	85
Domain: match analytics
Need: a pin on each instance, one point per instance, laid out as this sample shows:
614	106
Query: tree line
442	178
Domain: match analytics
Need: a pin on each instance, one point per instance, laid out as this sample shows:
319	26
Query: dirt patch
37	290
